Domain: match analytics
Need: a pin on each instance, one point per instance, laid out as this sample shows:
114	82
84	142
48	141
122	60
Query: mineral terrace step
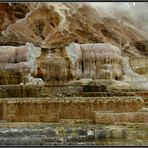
132	117
52	109
143	94
146	104
44	95
145	100
101	94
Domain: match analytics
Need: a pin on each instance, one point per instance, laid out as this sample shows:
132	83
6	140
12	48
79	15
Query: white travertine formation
132	78
29	80
97	61
18	59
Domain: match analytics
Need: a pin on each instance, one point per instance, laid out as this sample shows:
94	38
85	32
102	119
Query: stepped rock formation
96	61
74	64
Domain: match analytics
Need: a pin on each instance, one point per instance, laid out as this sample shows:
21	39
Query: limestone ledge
121	117
121	99
55	109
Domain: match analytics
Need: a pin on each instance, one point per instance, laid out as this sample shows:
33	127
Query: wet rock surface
109	135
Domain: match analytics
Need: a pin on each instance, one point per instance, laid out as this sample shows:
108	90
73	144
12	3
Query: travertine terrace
71	75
